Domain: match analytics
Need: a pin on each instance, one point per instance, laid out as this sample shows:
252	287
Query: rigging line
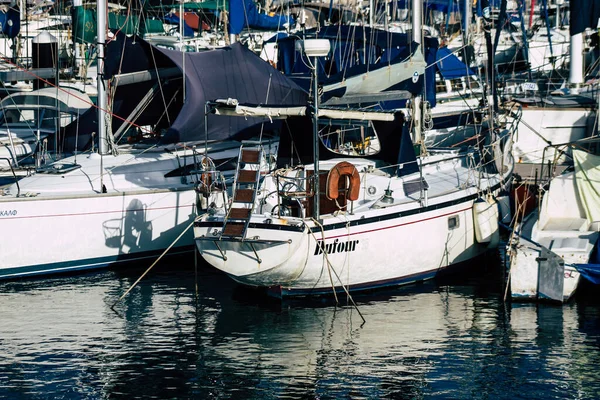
120	27
166	111
348	51
329	268
262	126
335	273
155	262
162	94
292	143
246	16
371	48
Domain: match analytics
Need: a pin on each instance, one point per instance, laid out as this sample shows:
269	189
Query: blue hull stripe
87	264
286	292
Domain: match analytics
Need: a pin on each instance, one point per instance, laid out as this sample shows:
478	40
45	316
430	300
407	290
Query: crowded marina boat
307	150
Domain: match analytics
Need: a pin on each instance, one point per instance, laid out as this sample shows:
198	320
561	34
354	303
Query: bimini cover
64	99
587	176
231	72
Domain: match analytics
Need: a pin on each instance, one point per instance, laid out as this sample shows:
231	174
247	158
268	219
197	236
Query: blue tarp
234	72
591	272
10	22
243	13
438	5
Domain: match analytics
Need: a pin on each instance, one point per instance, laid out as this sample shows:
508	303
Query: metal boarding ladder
245	186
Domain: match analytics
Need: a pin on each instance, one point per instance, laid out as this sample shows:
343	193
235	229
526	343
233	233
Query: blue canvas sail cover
244	14
449	66
10	22
230	72
355	51
584	14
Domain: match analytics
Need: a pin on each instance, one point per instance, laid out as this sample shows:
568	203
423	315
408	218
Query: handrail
14	175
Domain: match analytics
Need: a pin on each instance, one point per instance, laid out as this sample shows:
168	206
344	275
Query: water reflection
454	338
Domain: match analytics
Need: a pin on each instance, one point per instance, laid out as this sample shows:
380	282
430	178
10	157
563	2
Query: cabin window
453	222
349	139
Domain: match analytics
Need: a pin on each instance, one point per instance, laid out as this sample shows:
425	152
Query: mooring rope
330	266
155	262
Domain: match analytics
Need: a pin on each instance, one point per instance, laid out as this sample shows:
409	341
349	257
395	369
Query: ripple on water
445	339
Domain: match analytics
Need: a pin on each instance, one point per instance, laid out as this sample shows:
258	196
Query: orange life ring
343	168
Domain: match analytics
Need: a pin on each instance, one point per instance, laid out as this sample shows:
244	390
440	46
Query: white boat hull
552	241
539	126
83	232
368	255
525	277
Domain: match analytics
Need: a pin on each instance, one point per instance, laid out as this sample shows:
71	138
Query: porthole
453	222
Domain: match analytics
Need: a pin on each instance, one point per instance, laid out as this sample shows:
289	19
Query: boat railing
294	187
208	179
292	190
8	161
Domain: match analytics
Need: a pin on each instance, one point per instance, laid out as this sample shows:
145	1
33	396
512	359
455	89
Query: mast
578	22
417	15
316	176
101	7
313	49
576	69
181	22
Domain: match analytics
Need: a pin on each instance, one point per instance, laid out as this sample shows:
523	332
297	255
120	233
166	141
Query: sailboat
552	244
555	243
354	208
114	202
379	215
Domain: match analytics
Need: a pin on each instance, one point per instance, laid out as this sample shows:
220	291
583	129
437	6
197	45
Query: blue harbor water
454	337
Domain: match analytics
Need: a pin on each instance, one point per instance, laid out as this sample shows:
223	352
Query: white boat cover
587	176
